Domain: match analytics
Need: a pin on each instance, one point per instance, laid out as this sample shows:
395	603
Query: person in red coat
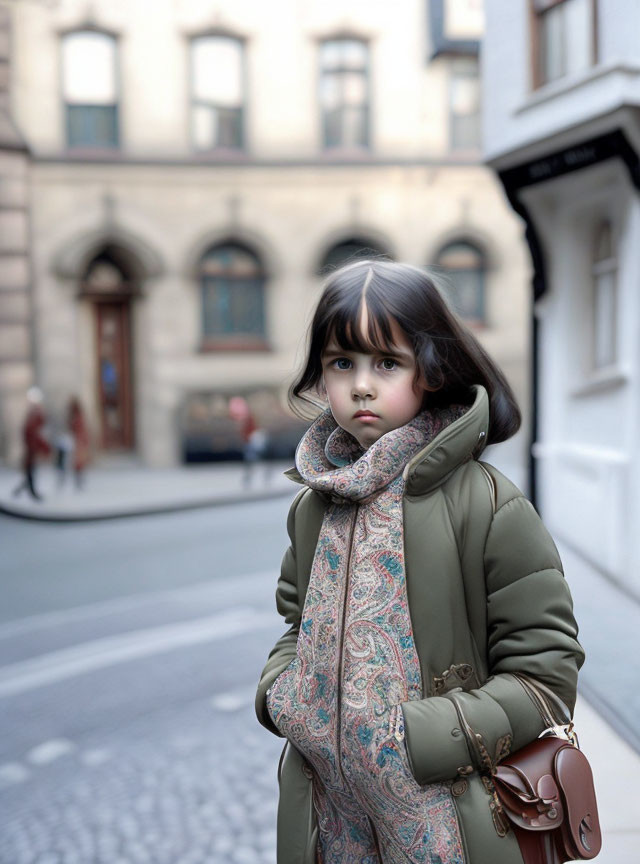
35	443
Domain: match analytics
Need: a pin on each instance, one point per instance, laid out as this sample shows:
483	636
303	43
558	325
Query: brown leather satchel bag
546	791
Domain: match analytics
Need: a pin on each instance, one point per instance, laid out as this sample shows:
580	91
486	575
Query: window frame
476	322
236	340
477	147
535	16
602	267
65	105
342	148
367	246
241	41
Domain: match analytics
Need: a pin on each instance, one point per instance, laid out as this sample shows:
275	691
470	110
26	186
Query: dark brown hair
448	355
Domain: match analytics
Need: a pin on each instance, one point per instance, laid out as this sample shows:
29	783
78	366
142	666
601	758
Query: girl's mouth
365	415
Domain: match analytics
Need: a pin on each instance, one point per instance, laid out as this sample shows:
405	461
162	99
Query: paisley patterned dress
338	701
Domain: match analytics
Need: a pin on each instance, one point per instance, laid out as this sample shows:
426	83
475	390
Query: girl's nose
362	389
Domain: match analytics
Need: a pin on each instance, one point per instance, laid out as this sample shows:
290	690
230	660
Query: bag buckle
566	731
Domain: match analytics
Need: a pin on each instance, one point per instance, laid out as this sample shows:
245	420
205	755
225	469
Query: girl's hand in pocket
271	692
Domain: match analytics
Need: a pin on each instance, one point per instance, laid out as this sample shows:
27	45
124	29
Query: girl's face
381	384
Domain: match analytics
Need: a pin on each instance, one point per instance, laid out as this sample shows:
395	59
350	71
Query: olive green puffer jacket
493	626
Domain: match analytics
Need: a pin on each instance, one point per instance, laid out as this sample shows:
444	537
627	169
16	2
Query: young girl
428	611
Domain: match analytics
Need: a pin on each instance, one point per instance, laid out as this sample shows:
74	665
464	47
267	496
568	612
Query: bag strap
540	699
492	485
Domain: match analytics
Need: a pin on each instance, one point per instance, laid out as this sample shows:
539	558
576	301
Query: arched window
232	282
349	250
90	90
604	268
465	266
217	98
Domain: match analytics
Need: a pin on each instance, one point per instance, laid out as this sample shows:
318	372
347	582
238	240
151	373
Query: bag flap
525	784
573	774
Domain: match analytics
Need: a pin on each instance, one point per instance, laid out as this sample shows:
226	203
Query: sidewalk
615	767
124	487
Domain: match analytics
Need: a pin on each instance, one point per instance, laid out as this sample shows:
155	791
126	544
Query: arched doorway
108	286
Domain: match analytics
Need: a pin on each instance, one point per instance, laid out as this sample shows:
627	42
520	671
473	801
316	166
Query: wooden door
114	374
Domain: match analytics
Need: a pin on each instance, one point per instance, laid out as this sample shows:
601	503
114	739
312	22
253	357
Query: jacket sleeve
287	604
530	630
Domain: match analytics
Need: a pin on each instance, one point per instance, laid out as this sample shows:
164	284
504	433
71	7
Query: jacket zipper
341	643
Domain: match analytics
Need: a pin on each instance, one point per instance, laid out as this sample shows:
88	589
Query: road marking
11	773
87	611
100	653
49	751
93	758
232	700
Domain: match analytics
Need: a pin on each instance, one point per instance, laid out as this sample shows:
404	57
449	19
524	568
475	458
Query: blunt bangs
344	326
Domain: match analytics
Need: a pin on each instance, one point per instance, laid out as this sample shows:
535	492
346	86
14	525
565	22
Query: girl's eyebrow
397	352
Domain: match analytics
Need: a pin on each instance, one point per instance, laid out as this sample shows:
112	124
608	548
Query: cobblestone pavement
193	785
129	656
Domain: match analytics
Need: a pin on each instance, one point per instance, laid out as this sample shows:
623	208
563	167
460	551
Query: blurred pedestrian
63	447
254	452
35	442
80	432
254	440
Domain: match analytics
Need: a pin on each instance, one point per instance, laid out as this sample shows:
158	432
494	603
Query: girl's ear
422	384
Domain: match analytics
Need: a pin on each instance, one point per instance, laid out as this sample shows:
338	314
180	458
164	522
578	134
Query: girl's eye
345	360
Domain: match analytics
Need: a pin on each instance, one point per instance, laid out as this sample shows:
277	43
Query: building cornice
120	159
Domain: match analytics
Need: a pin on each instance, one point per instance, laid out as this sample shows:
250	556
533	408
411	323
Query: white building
194	164
562	130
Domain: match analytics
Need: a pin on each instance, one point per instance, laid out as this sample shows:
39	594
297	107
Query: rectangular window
564	38
344	93
217	103
89	86
464	104
604	271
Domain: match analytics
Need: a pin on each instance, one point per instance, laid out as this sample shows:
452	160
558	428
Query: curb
149	510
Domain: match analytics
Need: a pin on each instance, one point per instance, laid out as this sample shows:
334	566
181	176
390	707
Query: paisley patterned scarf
339	701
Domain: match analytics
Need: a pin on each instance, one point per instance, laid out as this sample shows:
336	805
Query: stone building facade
17	354
562	130
192	171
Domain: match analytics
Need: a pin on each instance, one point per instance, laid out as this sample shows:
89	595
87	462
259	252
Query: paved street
130	650
127	694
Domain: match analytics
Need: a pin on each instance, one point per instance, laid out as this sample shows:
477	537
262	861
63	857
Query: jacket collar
463	439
